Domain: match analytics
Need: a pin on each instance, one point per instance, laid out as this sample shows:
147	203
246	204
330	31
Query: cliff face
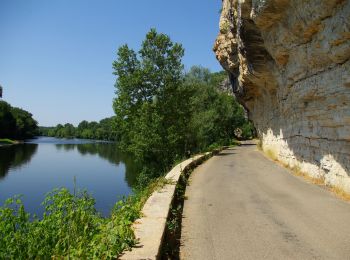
289	66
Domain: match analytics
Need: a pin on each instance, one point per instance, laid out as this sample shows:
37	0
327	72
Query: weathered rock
289	66
225	87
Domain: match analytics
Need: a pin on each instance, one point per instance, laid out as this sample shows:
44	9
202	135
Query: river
39	165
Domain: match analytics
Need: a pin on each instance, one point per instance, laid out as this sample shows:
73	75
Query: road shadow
225	154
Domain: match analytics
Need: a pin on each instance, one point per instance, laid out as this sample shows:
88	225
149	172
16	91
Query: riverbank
95	227
87	233
6	141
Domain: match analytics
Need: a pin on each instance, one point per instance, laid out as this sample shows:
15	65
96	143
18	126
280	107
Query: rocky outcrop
289	66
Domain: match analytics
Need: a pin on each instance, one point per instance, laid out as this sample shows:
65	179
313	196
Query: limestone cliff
289	66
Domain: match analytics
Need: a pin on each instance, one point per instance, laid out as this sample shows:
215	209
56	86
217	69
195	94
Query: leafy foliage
151	105
164	115
103	130
16	123
215	113
70	227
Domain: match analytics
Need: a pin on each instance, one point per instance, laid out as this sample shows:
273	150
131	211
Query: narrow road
241	205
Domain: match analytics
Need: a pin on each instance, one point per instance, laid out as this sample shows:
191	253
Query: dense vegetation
70	227
162	115
103	130
16	123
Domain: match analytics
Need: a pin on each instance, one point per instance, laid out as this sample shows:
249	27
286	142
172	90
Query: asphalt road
241	205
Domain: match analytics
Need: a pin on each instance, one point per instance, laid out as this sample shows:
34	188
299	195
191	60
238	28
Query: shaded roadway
241	205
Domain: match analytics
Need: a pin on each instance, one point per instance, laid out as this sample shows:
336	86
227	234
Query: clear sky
56	55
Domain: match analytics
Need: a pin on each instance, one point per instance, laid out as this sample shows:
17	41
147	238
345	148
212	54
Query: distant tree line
102	130
16	123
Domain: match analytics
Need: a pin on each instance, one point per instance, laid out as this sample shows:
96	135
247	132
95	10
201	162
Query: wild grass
259	145
320	181
271	154
340	192
337	191
297	172
7	141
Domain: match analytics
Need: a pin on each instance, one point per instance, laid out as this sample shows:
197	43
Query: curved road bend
241	205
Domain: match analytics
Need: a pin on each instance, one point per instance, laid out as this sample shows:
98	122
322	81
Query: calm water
40	165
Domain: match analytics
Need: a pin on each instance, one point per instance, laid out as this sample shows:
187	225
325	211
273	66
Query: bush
70	226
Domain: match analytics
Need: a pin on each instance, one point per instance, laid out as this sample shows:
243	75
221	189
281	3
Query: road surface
241	205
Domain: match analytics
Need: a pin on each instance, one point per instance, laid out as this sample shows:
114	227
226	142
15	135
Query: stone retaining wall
150	229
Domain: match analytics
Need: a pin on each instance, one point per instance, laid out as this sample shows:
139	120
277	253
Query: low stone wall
150	229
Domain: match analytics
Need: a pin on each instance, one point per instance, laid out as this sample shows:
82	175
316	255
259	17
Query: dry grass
259	145
340	193
271	154
337	191
297	172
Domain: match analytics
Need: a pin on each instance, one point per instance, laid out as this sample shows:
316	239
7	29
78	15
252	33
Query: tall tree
147	106
7	121
16	122
163	115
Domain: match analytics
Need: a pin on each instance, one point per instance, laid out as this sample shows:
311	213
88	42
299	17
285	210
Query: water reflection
65	147
109	152
99	167
15	156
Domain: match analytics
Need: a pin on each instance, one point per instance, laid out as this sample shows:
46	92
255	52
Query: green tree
68	130
7	121
16	123
215	113
148	109
103	130
83	125
26	126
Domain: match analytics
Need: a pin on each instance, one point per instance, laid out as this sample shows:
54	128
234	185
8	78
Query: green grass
7	141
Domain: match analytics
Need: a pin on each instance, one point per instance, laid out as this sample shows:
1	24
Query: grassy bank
7	141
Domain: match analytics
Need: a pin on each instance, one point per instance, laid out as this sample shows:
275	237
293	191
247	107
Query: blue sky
56	55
